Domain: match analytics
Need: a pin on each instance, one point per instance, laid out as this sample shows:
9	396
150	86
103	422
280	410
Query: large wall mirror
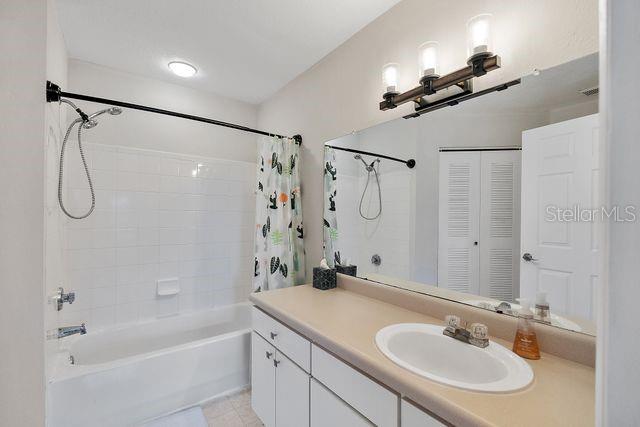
493	211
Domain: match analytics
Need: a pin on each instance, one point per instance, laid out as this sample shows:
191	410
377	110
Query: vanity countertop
345	323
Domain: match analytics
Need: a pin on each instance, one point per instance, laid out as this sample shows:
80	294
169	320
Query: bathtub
124	375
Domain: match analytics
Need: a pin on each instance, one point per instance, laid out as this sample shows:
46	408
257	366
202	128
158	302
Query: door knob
528	257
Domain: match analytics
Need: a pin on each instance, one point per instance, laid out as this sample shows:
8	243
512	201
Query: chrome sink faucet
71	330
476	335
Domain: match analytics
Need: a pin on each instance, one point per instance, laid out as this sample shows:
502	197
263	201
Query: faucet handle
479	331
452	321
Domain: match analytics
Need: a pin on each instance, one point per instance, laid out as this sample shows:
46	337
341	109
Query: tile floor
231	411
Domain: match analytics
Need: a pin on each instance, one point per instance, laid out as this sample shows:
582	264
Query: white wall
341	93
55	118
158	132
618	375
23	31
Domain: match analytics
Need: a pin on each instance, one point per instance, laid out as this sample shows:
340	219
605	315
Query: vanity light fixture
428	60
390	80
480	61
182	69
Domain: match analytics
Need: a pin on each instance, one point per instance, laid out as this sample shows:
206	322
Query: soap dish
167	287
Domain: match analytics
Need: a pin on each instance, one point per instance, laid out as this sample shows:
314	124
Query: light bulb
479	35
182	69
390	77
428	59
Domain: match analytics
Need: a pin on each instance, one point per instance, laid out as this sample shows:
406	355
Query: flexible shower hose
86	170
369	169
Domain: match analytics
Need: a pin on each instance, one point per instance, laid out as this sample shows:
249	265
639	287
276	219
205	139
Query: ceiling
243	49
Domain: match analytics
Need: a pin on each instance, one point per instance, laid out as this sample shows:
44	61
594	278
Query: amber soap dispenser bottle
525	343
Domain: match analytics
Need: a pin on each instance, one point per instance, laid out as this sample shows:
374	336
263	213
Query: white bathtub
124	375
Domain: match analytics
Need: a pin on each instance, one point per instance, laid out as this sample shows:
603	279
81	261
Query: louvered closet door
458	230
499	245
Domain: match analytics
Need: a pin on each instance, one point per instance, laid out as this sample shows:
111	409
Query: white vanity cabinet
280	388
280	366
296	383
328	410
412	416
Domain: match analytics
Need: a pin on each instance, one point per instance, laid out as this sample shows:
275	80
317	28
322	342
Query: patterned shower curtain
331	247
279	249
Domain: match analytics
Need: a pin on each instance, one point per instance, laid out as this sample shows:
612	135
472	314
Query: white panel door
560	170
499	246
263	380
292	393
328	410
458	224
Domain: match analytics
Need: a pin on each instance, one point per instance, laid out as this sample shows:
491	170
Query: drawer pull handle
269	354
273	335
276	363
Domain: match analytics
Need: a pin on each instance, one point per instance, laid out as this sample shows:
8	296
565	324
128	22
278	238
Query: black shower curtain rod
410	163
54	93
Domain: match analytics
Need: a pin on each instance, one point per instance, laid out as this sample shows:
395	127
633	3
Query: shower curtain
279	249
331	247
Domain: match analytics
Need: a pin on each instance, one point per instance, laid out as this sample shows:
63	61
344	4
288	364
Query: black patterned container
349	270
324	279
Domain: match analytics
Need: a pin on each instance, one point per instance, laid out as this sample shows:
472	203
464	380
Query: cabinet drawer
369	398
328	410
294	346
412	416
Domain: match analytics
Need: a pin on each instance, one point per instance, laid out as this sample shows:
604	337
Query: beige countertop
345	323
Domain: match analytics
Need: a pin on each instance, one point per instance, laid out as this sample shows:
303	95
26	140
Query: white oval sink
423	349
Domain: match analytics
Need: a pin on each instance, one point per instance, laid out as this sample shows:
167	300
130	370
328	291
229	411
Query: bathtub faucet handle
269	354
273	335
276	363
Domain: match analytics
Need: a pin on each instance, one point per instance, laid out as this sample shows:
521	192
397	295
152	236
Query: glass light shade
479	35
428	59
182	69
390	77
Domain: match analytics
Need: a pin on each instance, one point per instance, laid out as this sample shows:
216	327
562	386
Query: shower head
114	111
368	167
359	157
91	122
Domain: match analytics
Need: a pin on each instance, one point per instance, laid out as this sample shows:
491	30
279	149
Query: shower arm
411	163
55	94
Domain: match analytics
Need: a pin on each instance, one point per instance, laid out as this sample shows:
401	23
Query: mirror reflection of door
479	227
560	174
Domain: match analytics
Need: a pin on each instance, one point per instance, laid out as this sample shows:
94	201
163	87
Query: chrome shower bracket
60	298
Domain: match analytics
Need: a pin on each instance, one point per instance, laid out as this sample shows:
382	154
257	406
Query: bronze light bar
477	67
458	98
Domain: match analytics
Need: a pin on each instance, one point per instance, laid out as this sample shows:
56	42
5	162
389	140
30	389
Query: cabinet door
328	410
263	380
411	416
292	393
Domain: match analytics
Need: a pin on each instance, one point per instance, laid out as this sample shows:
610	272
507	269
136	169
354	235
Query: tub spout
71	330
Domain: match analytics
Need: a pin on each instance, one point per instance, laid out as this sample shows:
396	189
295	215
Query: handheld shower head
91	122
359	157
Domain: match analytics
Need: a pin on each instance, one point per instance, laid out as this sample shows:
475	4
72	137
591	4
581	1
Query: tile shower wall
390	235
158	216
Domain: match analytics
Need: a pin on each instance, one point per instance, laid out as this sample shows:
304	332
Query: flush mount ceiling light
480	61
182	69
